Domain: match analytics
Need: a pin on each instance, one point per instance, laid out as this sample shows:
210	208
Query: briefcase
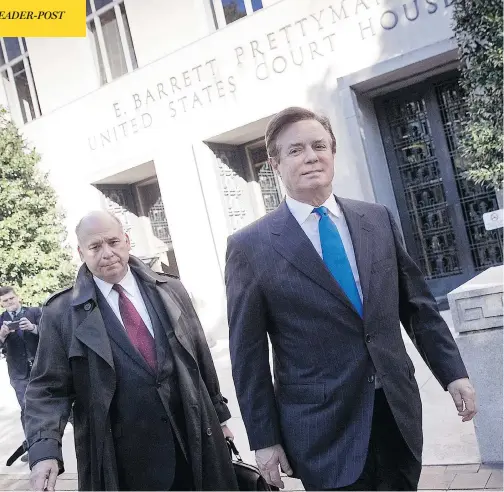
247	476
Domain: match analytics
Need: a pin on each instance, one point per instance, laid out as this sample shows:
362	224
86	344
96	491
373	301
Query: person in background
124	346
329	280
19	341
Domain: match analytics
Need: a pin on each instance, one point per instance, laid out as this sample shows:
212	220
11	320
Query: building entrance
440	209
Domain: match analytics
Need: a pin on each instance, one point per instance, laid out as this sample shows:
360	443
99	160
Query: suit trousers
390	465
20	386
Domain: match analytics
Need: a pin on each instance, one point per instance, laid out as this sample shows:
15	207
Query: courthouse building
159	115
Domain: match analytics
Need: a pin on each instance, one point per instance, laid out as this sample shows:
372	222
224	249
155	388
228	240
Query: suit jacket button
87	306
371	379
158	385
209	432
368	338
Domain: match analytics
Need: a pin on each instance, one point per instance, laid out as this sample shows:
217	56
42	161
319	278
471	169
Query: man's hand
268	459
227	432
4	331
464	397
44	471
26	325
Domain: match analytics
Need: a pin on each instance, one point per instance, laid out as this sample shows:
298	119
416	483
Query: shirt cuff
224	423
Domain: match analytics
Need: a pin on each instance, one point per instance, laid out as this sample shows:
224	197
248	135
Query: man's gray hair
97	213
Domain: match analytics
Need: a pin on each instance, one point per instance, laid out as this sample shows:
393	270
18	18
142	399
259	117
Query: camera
13	325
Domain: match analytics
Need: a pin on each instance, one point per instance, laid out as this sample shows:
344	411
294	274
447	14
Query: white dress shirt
130	286
308	220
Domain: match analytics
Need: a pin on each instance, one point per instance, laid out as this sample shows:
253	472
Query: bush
32	258
478	26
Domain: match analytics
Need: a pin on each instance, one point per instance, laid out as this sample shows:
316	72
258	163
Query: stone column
476	307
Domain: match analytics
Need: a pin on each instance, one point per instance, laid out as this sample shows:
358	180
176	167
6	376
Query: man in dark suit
125	347
328	279
19	341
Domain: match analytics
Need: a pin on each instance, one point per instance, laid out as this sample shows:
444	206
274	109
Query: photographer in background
19	339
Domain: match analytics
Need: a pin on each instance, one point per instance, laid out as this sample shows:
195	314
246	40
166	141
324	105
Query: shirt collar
301	211
127	283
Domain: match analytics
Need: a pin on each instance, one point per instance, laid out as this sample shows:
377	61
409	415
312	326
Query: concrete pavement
447	441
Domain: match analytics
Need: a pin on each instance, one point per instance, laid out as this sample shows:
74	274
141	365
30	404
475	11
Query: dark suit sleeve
248	343
37	315
205	361
34	315
2	319
49	395
420	318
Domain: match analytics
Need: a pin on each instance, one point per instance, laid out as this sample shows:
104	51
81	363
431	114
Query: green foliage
32	258
479	34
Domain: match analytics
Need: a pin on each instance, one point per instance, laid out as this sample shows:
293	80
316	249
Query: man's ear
128	242
80	253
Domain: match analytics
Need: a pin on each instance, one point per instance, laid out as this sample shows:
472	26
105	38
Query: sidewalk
450	457
453	478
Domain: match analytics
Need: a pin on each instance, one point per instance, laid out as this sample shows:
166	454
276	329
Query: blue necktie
335	257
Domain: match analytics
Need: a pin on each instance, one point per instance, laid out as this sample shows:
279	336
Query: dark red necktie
136	329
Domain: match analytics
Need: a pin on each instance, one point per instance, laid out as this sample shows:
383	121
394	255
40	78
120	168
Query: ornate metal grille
232	189
419	172
151	197
159	223
268	181
485	246
119	201
269	186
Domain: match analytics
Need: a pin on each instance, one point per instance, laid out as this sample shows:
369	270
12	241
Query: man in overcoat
329	281
124	346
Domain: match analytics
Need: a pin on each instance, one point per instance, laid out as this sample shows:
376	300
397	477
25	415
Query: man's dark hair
6	290
285	118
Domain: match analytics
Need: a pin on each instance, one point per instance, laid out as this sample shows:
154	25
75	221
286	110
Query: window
17	78
111	37
227	11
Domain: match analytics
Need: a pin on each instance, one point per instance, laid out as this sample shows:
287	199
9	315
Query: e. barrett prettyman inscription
181	93
306	40
317	32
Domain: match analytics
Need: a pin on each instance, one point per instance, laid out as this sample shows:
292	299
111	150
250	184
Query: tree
32	258
478	31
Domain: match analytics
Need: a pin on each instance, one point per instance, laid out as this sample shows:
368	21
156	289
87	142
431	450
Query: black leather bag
247	476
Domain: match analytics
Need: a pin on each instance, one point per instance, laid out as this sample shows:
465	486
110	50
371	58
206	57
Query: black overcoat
74	364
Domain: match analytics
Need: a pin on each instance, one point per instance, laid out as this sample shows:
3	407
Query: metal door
440	210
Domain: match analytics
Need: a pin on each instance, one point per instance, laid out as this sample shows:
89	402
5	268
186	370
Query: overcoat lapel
185	362
89	326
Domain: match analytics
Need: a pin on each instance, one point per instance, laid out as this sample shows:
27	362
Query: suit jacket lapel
117	333
360	232
292	243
